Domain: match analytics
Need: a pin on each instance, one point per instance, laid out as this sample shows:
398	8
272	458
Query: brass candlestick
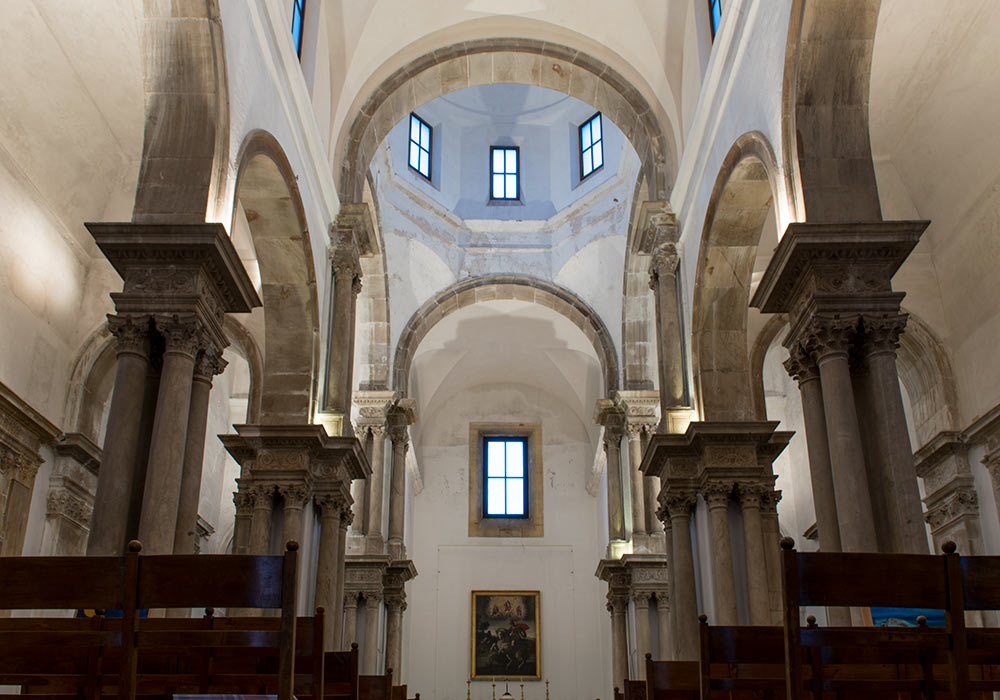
546	689
494	688
522	689
468	689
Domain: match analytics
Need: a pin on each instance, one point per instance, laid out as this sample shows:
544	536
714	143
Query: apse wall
560	564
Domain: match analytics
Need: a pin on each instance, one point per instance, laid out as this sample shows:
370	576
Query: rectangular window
506	476
298	16
420	146
714	15
591	146
504	184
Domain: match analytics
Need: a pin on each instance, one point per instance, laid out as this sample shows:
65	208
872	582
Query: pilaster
70	501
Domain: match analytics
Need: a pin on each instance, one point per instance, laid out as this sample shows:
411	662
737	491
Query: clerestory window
298	17
714	15
505	480
591	146
505	464
420	146
504	166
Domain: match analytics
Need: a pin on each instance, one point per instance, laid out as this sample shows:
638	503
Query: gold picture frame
506	635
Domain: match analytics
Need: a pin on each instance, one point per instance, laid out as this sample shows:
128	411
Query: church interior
536	324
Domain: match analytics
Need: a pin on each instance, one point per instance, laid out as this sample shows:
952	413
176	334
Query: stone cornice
80	448
357	219
808	251
203	246
23	429
736	449
656	225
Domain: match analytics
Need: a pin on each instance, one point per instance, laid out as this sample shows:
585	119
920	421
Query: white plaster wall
575	635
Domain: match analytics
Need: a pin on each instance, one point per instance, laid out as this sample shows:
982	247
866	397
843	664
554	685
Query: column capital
263	496
750	495
663	264
372	597
354	225
961	502
829	335
769	498
295	495
346	518
800	365
183	335
208	364
244	502
351	599
617	603
330	505
717	493
640	598
881	332
132	333
655	225
677	503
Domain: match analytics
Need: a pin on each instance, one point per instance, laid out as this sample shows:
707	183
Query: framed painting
505	635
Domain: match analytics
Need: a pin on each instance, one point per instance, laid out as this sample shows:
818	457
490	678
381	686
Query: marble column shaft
338	599
639	535
369	656
683	595
753	547
847	459
663	627
651	485
295	497
121	441
671	646
612	451
394	637
243	500
619	641
376	489
328	576
772	551
350	621
346	285
642	640
892	475
670	360
185	536
158	521
717	496
397	491
260	522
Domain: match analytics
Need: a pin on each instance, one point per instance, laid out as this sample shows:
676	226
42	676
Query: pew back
672	680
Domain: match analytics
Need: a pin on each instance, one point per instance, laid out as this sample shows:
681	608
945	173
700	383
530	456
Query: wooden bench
375	687
672	680
733	659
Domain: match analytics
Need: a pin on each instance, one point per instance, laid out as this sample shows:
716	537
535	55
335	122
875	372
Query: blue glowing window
420	146
591	146
504	183
298	15
714	15
506	471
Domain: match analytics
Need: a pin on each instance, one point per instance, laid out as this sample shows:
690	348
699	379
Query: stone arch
825	93
926	373
638	307
506	60
758	352
741	199
186	141
267	189
90	384
488	288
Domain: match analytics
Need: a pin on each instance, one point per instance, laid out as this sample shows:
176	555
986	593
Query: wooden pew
871	662
27	645
634	690
980	590
672	680
340	674
375	687
741	658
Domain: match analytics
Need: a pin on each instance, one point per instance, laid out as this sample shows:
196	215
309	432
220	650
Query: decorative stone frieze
655	226
951	501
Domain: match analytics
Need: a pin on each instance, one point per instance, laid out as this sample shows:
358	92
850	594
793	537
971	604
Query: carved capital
183	336
640	599
800	364
769	500
62	502
826	336
960	503
617	603
295	495
750	495
346	517
880	333
132	334
209	364
263	496
330	505
351	599
717	493
679	504
663	263
400	435
372	597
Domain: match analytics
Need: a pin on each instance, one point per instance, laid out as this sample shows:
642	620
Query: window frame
299	14
481	525
506	439
429	149
516	173
714	24
593	144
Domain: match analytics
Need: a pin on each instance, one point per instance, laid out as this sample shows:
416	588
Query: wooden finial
949	547
135	546
787	543
292	546
703	619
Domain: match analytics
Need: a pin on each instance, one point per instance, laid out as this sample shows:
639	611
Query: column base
396	550
657	543
374	544
640	543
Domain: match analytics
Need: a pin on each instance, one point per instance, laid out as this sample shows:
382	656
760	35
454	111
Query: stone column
613	420
663	626
346	517
685	599
668	532
619	639
158	522
801	366
375	543
890	458
395	605
640	600
260	523
295	498
651	486
121	438
328	576
346	286
244	502
209	364
640	538
663	281
753	546
359	487
369	655
397	492
772	550
350	620
831	339
717	496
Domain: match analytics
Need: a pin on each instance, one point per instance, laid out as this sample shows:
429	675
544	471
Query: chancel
367	347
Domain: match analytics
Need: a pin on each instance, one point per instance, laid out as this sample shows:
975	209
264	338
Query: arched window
298	17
